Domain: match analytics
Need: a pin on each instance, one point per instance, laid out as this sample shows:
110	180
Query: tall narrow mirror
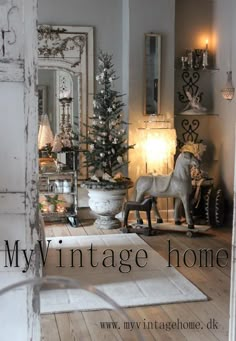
65	77
152	67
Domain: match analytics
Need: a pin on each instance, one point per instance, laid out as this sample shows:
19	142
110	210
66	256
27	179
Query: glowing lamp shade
45	135
228	91
160	145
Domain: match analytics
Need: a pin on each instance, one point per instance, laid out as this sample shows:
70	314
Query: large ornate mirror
66	70
152	67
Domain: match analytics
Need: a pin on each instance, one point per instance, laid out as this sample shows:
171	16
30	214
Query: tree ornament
102	154
97	77
104	164
109	109
110	79
115	141
114	106
119	159
113	151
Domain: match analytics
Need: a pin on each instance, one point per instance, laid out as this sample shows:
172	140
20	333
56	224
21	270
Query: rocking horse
177	185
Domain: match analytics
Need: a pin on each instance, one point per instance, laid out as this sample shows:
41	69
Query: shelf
208	69
193	113
56	173
55	193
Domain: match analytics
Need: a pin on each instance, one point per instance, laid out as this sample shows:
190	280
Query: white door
18	166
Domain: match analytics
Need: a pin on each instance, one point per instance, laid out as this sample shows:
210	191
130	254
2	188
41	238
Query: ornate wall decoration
56	42
190	84
9	14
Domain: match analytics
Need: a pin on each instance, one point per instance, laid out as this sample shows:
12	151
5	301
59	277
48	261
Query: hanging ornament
102	91
109	153
103	142
102	122
109	109
91	147
104	164
115	141
102	154
97	77
110	79
99	138
114	106
119	159
100	117
102	75
104	69
104	133
113	151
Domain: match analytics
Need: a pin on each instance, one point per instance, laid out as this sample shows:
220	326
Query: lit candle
206	44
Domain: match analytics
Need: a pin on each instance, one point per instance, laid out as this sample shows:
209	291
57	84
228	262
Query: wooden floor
210	318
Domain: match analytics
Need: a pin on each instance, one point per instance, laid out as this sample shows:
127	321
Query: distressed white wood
18	157
12	146
11	229
31	156
12	203
11	26
12	72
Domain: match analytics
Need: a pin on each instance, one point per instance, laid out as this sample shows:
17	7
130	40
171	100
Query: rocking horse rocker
177	185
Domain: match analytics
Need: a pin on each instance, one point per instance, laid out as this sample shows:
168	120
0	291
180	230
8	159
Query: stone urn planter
106	201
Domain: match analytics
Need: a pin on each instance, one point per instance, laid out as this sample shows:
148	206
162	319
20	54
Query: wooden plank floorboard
213	281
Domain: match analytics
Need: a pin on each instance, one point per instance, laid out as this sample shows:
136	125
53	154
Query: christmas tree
107	138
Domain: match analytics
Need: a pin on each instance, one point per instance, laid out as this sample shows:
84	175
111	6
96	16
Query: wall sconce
228	90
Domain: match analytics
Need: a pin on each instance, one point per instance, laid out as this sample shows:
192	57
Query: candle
65	94
206	44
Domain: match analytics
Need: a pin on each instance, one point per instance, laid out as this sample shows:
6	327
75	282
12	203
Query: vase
106	201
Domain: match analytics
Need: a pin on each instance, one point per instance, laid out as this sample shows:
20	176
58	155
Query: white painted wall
217	19
104	15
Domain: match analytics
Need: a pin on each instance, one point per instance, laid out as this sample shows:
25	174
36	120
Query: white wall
215	19
224	32
104	15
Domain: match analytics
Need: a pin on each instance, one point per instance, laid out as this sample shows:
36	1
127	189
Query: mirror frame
156	81
71	48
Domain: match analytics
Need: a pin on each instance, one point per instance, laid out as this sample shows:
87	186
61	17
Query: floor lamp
159	148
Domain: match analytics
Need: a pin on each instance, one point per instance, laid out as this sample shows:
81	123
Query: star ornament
109	109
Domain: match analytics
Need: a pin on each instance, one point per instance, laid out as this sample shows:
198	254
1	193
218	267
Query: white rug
152	284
